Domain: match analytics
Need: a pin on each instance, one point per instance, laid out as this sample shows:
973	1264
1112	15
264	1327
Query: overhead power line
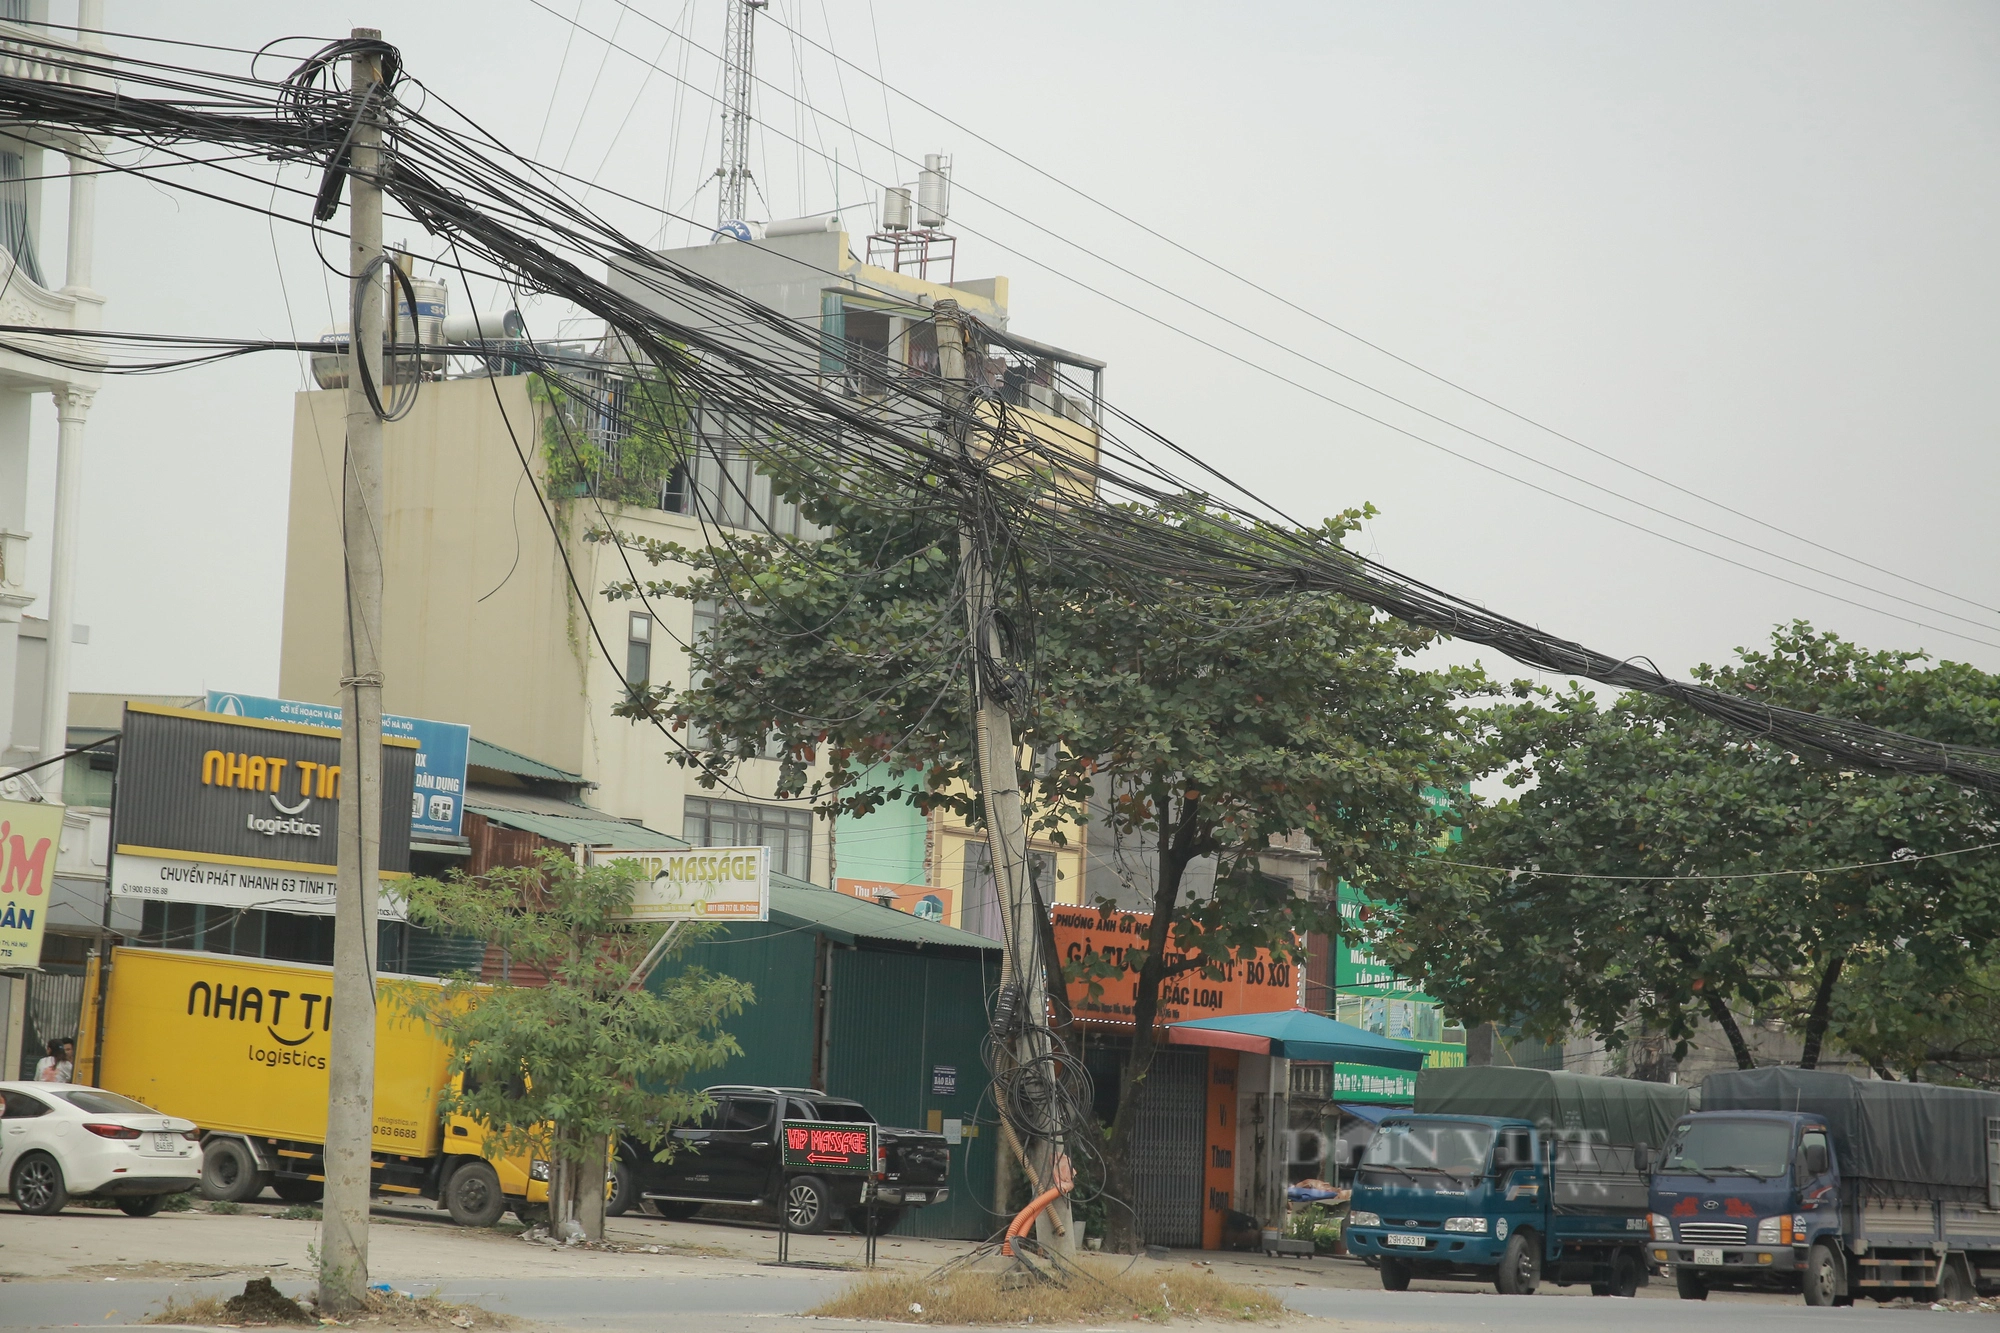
746	378
1204	258
1294	351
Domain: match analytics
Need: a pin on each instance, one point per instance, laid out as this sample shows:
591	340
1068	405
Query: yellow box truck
239	1046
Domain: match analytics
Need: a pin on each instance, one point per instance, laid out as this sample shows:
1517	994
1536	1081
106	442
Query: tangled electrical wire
725	358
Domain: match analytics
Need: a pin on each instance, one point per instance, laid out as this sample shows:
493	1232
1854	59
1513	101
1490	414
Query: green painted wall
897	1020
894	1017
887	845
776	1031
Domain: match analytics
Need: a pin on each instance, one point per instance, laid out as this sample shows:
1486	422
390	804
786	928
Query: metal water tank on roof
934	190
896	208
432	297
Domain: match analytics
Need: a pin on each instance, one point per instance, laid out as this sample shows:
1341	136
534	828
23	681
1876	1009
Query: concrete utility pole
343	1277
999	782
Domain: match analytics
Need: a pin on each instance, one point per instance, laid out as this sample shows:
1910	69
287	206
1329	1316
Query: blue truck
1831	1186
1513	1176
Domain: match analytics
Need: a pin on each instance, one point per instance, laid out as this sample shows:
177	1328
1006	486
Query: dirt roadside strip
408	1245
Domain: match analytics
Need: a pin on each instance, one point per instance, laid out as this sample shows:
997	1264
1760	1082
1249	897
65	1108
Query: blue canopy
1298	1035
1373	1114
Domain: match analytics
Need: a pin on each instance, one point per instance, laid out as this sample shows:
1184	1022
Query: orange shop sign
1258	984
916	899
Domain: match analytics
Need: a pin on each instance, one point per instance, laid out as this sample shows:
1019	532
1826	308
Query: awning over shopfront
1374	1115
1297	1035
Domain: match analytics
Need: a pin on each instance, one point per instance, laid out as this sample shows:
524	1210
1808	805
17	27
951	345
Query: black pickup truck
731	1156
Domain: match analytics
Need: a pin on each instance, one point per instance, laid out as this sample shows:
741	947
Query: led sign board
826	1146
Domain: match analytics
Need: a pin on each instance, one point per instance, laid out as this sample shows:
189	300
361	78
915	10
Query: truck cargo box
240	1044
1619	1112
1893	1140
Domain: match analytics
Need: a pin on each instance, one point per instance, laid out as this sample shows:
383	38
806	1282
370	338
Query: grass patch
301	1212
224	1206
179	1203
262	1305
1144	1293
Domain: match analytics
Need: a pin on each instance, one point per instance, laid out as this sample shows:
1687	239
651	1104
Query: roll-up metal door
1167	1147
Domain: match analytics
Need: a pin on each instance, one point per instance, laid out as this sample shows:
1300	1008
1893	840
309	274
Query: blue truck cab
1835	1187
1739	1197
1497	1199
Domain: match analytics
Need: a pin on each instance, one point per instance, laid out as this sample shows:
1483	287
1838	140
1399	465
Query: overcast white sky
1747	248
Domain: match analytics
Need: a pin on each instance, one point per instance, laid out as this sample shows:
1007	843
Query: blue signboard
436	804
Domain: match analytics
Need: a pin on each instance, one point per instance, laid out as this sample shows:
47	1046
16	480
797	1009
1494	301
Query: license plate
915	1196
1403	1238
1708	1256
165	1142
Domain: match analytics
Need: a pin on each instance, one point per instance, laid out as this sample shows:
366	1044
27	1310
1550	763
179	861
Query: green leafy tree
1898	1018
1221	723
1645	846
558	1069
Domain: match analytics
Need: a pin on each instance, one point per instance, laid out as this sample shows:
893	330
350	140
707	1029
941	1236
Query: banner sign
30	837
916	899
1258	984
235	812
698	883
217	885
827	1146
437	795
1367	1083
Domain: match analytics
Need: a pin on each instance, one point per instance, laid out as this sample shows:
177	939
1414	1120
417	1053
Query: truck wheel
1395	1275
39	1190
1625	1275
1690	1285
294	1190
806	1205
473	1196
1822	1284
1520	1265
1952	1284
229	1171
620	1202
142	1205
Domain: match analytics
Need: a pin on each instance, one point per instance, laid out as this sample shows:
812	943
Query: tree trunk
1120	1222
1718	1010
1822	1013
590	1202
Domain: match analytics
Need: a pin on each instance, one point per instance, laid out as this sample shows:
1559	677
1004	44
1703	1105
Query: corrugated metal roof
849	918
590	827
485	754
839	915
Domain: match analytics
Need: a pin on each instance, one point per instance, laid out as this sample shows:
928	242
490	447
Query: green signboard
1372	997
824	1146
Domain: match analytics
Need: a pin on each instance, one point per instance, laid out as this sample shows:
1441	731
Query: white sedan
63	1139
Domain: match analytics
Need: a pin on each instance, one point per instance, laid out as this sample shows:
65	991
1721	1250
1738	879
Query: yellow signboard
698	883
30	837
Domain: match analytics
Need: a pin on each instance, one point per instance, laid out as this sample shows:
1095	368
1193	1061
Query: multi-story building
497	618
34	665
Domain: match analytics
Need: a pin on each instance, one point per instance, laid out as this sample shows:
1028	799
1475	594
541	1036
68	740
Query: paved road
756	1304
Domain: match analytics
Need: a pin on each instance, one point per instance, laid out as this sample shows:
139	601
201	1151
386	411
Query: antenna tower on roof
738	47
